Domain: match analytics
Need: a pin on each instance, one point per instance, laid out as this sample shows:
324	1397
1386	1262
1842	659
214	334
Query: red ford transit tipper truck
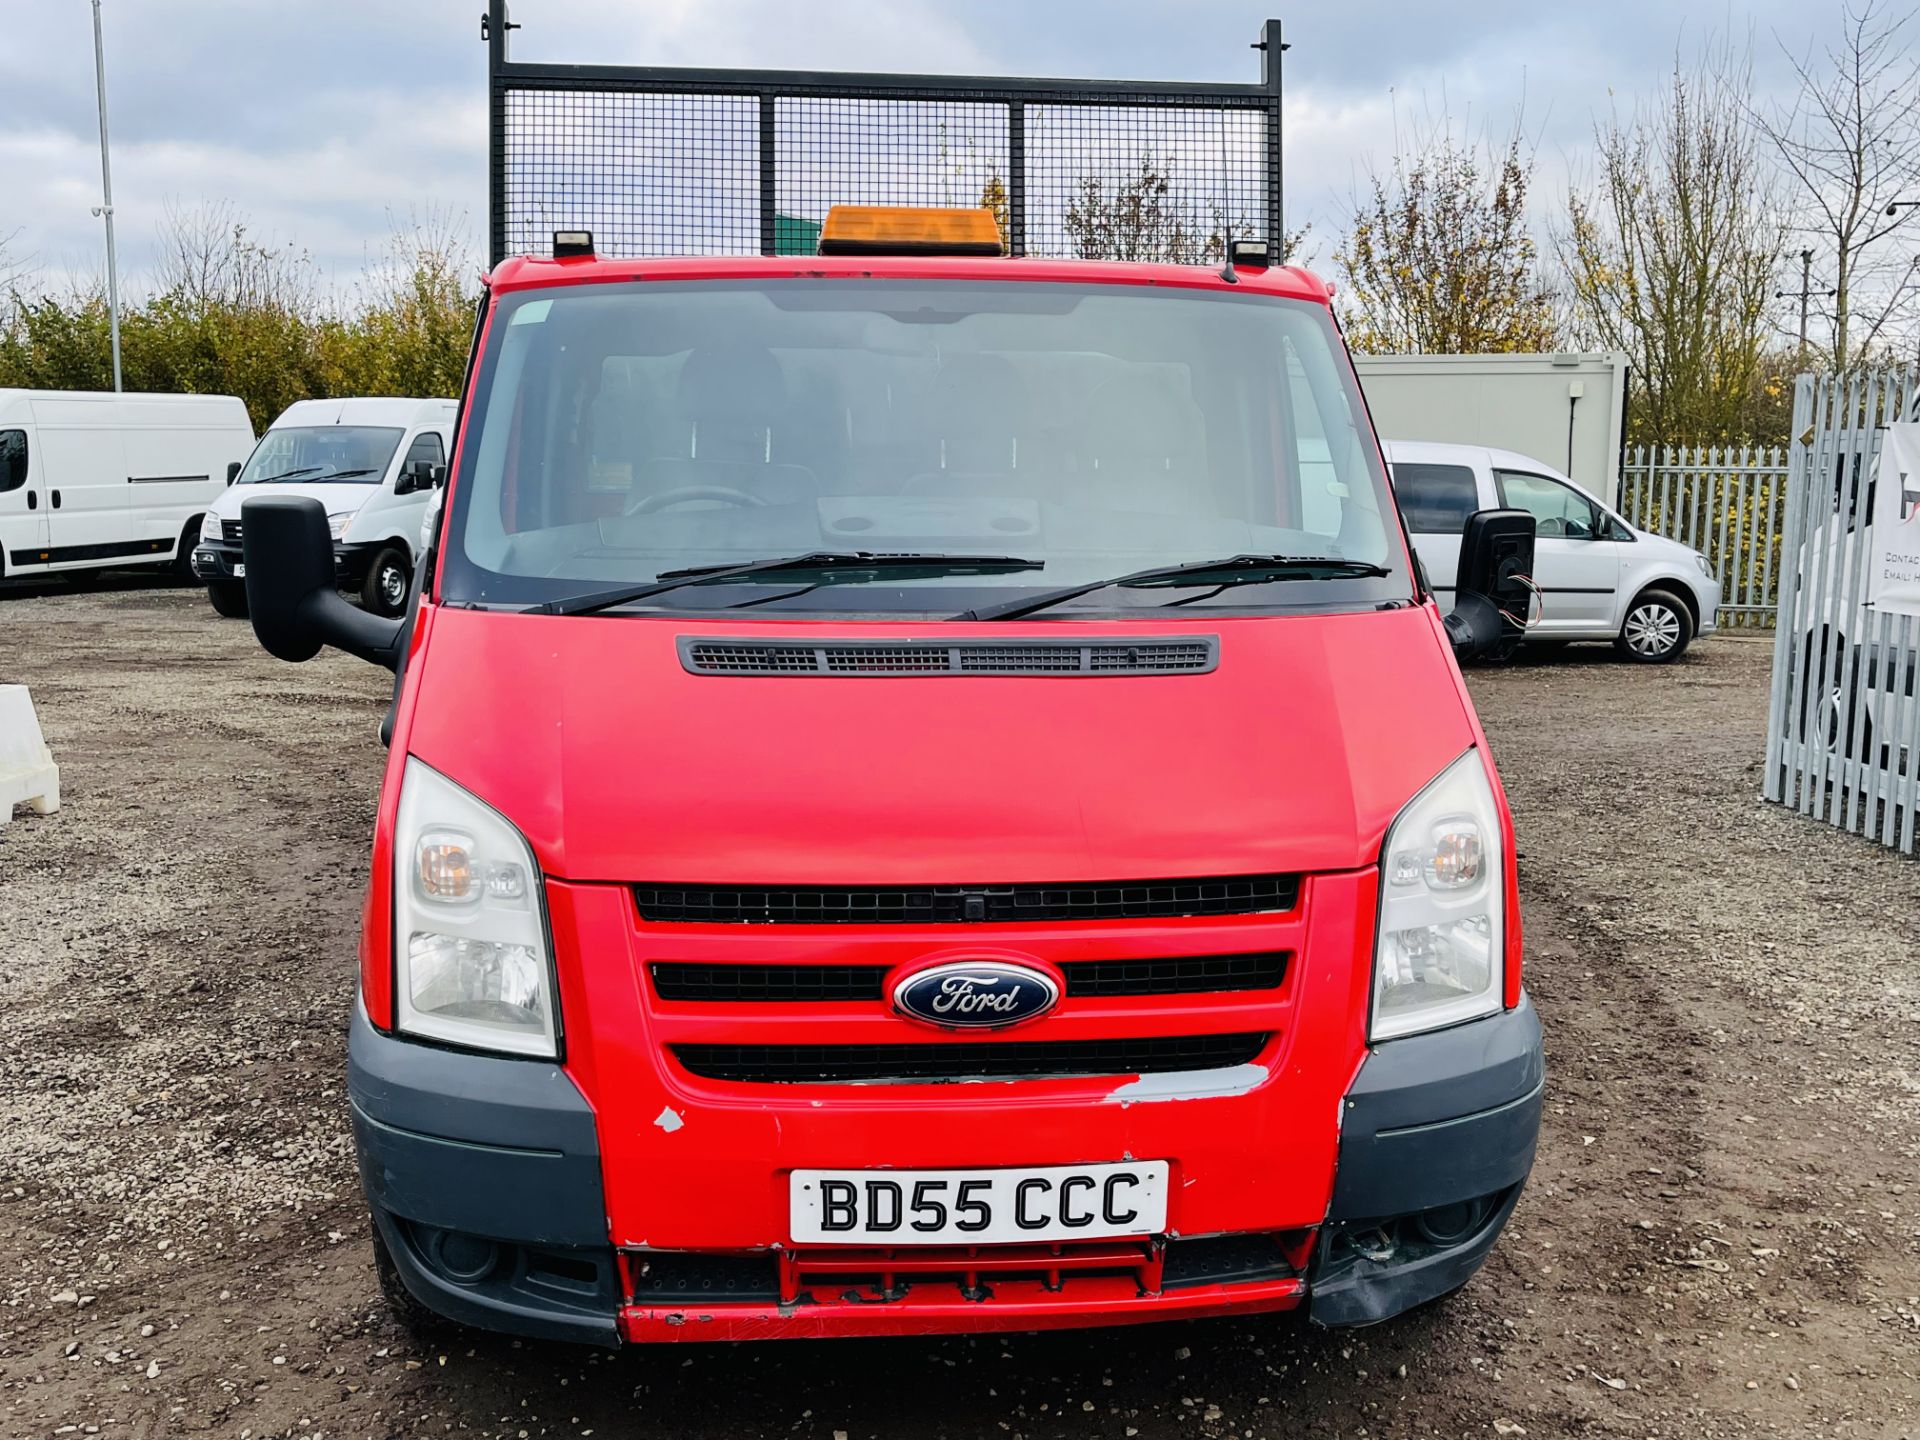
927	794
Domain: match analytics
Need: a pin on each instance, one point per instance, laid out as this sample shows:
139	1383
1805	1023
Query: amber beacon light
910	230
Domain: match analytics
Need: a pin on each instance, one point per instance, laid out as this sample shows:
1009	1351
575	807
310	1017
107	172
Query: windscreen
619	433
310	453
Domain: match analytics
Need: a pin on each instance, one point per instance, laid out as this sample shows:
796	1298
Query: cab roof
533	272
365	410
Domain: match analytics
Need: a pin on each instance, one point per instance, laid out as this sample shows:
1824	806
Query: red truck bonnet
1293	755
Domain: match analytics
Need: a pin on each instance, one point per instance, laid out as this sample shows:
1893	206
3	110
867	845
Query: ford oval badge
976	994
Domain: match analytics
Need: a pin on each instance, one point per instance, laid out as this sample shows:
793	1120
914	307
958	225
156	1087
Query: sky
324	124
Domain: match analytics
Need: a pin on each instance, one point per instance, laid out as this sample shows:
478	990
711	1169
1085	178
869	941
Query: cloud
318	123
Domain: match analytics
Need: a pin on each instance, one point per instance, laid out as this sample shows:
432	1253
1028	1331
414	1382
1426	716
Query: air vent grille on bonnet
1185	655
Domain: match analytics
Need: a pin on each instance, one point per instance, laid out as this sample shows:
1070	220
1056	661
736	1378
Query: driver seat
730	402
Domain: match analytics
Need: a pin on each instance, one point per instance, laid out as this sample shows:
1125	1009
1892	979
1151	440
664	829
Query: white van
1595	576
91	478
373	463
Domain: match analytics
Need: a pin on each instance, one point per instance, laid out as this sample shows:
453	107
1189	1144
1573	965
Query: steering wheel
726	495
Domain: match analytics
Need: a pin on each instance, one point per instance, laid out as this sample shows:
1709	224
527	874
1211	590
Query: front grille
792	984
963	1060
1182	975
230	532
1189	655
768	984
870	1275
963	904
668	1276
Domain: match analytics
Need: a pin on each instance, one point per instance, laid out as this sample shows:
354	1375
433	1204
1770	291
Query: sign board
1893	579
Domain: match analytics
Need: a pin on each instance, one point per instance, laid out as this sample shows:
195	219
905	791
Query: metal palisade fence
659	161
1725	501
1843	720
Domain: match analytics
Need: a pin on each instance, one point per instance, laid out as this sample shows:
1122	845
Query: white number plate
239	572
978	1207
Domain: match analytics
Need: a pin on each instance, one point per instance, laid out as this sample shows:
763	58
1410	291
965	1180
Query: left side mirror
1493	590
414	476
291	594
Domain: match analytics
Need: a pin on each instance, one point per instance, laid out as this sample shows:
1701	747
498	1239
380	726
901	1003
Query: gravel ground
1722	1236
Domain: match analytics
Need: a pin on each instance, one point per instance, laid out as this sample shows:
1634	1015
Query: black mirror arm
347	627
422	576
1474	627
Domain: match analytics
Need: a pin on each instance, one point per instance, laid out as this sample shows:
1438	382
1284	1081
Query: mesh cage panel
844	151
1152	182
648	173
662	161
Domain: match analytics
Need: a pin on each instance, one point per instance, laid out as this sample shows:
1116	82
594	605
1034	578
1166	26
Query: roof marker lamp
1439	952
473	966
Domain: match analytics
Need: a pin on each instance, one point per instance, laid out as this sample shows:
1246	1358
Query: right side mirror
291	593
1493	589
233	471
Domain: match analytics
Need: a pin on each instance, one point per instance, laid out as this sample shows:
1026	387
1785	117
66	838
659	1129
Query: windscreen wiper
1232	570
284	475
867	560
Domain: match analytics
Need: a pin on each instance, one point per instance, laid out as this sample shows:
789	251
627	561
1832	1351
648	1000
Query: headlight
337	524
470	935
209	528
1705	568
1439	957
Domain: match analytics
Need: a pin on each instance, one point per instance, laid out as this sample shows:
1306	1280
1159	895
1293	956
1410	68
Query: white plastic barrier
27	772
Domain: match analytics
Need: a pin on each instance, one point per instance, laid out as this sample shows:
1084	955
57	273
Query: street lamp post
105	208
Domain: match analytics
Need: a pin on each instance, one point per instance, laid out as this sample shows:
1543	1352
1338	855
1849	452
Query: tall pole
105	209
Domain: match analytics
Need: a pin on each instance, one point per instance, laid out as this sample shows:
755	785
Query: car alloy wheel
1652	629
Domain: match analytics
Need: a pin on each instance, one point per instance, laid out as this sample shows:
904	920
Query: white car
373	463
1597	577
91	478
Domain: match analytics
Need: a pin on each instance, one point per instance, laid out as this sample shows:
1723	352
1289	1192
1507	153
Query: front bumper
1437	1137
484	1176
484	1150
1708	596
214	563
350	563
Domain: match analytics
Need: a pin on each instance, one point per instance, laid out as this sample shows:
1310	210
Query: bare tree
1142	214
1441	259
411	321
1672	258
207	258
1850	141
15	271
